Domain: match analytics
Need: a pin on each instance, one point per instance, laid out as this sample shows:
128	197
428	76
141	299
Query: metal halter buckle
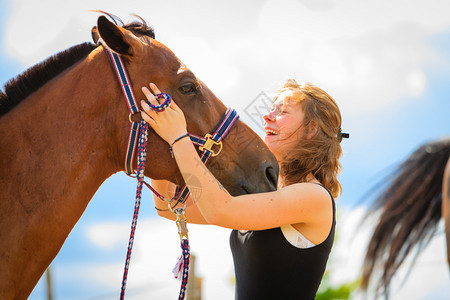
209	144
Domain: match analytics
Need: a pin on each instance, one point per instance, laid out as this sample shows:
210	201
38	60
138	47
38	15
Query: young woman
282	239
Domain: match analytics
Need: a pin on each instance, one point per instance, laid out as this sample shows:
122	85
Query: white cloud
416	82
214	67
106	235
336	19
367	55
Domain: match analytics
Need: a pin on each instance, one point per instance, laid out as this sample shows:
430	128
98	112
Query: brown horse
411	206
64	130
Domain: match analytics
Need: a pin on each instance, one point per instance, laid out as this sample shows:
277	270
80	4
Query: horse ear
118	39
95	35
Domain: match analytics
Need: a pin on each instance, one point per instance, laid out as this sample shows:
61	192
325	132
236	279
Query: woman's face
283	124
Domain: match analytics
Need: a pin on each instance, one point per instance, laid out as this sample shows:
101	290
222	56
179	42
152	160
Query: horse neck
56	149
66	129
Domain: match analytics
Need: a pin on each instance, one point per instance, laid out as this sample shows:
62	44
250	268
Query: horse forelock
140	29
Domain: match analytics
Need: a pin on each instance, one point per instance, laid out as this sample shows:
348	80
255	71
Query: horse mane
410	210
25	84
36	76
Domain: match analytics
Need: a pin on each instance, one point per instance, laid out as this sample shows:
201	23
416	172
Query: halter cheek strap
133	108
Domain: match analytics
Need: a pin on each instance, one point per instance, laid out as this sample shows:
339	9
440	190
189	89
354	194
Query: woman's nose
268	117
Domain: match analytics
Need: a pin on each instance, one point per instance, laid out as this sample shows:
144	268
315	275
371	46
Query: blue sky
387	64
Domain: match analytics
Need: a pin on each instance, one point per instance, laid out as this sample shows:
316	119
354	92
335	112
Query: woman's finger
148	119
174	106
149	96
156	91
148	110
154	88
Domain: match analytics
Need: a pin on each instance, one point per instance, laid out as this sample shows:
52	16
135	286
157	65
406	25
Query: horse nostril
272	177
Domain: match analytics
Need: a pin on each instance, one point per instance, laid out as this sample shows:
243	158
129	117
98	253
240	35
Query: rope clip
181	223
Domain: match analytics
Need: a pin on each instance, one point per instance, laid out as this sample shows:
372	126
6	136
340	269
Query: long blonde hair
319	154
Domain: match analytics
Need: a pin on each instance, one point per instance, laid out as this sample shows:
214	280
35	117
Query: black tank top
267	266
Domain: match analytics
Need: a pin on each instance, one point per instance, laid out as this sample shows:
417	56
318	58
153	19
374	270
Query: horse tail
410	210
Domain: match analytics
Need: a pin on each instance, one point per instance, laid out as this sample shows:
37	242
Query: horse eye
188	89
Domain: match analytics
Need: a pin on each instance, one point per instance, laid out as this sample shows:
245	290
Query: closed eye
188	89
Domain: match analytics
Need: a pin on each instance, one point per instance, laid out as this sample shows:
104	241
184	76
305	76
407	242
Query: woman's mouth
270	131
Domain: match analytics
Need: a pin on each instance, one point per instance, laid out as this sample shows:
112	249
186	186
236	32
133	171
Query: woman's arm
299	203
167	188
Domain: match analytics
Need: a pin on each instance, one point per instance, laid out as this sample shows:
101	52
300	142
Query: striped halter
139	132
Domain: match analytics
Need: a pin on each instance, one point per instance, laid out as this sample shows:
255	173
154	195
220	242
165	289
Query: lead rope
186	256
142	155
181	220
183	260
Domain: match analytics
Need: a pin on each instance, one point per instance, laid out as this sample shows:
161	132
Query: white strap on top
295	238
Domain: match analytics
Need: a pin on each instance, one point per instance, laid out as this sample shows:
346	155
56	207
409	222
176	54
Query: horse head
244	166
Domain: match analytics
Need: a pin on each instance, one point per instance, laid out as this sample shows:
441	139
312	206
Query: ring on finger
164	105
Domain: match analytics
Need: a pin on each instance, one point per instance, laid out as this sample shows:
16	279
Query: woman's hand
170	123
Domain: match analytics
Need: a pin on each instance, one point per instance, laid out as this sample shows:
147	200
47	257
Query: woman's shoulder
312	194
307	192
315	188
